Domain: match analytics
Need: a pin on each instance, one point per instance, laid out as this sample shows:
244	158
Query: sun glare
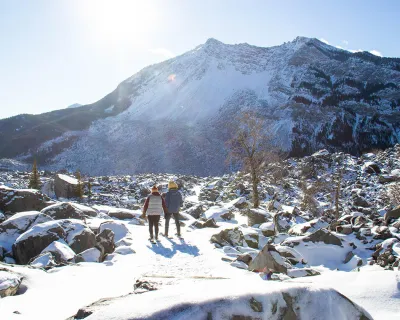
119	21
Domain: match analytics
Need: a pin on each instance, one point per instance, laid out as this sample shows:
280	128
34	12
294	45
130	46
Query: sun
117	21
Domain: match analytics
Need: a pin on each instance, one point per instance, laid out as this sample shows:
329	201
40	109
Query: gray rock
79	237
89	255
68	210
269	258
229	237
32	242
16	225
392	214
256	216
349	256
10	282
196	211
65	186
105	242
22	200
344	229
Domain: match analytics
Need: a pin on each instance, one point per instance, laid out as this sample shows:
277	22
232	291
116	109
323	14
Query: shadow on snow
158	248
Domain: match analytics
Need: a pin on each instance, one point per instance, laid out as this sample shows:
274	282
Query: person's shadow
178	245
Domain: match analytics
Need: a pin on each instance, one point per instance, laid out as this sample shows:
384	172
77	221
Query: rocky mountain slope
173	116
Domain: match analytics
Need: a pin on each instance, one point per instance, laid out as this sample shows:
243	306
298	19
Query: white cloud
345	42
165	53
376	53
323	40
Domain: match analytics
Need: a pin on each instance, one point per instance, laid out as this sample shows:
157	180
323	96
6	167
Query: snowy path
59	293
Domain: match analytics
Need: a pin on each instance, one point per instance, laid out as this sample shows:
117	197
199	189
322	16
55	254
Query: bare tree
252	147
393	194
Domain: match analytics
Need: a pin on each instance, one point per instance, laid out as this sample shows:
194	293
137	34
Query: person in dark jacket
173	201
153	207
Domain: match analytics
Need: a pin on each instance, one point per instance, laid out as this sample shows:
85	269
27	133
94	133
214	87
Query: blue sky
58	52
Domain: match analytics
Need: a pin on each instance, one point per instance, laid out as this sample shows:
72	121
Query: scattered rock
231	237
32	242
13	201
65	186
9	283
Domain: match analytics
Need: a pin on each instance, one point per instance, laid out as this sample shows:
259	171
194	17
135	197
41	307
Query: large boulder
105	242
308	227
77	235
321	248
210	223
195	211
282	224
218	213
89	255
268	229
68	210
12	200
226	299
61	251
9	283
45	260
229	237
65	186
120	230
16	225
123	214
257	216
269	260
392	214
32	242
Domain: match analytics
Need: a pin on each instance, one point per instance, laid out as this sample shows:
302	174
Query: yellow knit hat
172	185
154	189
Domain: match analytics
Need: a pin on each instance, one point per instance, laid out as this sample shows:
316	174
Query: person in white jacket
153	208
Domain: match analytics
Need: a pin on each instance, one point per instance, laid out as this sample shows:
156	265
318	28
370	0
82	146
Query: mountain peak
213	42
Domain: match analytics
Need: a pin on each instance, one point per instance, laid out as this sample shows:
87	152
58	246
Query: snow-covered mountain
172	116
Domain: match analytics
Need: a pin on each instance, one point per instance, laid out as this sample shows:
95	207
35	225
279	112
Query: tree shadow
183	247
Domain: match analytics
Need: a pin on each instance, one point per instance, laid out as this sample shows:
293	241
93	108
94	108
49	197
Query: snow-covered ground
174	263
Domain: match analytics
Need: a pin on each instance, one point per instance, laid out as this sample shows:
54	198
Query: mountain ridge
316	95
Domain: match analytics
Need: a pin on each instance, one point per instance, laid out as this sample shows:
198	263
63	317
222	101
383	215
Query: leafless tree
252	146
394	194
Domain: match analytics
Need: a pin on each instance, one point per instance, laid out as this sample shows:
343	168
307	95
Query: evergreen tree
89	189
79	187
34	179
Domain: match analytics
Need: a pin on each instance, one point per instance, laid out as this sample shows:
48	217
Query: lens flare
171	77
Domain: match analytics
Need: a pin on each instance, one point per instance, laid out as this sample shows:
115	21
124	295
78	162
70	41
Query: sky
55	53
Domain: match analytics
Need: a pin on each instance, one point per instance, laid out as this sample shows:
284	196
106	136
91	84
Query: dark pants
153	222
176	217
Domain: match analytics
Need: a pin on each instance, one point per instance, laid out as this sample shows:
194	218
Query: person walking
173	201
153	207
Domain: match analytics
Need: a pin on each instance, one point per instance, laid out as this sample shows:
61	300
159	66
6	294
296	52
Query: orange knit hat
154	189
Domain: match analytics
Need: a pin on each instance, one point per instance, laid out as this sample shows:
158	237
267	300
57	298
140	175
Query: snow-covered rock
89	255
60	250
68	210
32	242
65	186
119	229
16	225
226	300
12	200
9	283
